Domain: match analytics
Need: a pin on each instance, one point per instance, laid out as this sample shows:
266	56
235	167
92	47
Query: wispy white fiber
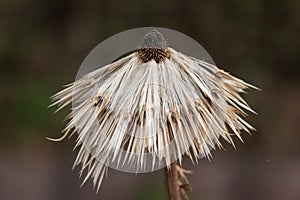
141	107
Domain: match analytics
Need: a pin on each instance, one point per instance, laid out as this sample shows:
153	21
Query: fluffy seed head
151	113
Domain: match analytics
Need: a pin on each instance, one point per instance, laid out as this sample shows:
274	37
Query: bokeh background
42	44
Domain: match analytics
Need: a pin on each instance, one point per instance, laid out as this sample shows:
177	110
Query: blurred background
42	44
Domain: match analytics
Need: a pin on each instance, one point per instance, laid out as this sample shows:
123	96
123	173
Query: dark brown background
42	44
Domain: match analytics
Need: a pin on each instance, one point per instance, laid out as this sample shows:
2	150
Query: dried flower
155	101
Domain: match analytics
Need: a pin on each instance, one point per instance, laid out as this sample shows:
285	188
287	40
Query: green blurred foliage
151	191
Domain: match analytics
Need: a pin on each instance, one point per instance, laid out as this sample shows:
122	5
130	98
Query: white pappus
155	101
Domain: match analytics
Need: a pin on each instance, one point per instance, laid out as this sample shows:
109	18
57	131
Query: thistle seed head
148	114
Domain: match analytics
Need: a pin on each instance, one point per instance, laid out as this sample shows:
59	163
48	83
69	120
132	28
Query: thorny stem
172	182
177	184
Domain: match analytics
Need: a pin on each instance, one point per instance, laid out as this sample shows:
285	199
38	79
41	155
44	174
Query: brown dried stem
177	184
172	182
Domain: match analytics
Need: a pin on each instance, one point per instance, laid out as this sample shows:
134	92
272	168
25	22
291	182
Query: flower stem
172	182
